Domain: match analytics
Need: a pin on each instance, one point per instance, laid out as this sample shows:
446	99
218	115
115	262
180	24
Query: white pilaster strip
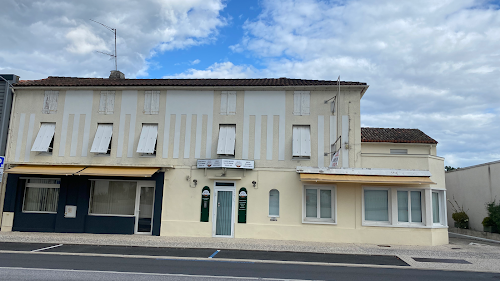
258	137
199	127
86	135
177	135
131	135
333	131
29	138
64	132
208	152
246	135
187	136
166	135
74	136
19	141
321	140
270	133
282	138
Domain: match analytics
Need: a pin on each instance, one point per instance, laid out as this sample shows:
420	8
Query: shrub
487	221
459	215
494	212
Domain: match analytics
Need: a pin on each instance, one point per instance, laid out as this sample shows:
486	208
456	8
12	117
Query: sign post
2	160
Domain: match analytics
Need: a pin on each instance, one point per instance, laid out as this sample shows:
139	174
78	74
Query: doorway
223	212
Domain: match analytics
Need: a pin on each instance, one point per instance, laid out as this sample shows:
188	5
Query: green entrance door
224	211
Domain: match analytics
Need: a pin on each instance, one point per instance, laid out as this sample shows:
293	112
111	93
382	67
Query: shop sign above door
225	163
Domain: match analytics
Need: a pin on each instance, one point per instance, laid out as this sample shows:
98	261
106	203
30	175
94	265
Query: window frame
398	151
108	149
233	142
141	144
269	205
422	207
301	155
40	185
50	98
50	148
389	207
107	103
151	97
442	208
318	187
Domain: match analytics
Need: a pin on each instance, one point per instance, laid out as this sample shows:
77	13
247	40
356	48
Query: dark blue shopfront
107	205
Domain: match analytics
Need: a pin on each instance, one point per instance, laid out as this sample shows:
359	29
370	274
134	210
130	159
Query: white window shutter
110	102
50	102
221	145
231	103
296	141
223	103
305	145
305	103
44	137
103	102
230	139
147	140
296	103
102	138
155	102
148	95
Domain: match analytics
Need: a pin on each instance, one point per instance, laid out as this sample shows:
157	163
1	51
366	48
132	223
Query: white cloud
196	61
219	70
52	37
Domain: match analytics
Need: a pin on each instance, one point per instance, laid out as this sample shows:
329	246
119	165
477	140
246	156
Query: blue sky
432	65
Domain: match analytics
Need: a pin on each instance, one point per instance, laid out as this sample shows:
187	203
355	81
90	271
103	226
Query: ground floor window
274	203
319	204
112	197
438	212
376	205
41	195
409	206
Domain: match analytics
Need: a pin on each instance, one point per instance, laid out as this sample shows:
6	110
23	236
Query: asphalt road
35	266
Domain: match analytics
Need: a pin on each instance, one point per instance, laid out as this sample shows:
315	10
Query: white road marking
46	248
147	273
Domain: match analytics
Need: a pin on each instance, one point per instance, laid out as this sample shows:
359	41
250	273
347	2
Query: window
228	103
301	146
399	151
227	136
438	211
102	139
301	103
107	102
319	204
112	197
41	195
376	205
151	102
409	206
274	203
44	141
147	140
50	102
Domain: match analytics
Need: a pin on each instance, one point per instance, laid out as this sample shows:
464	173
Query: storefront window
41	195
112	197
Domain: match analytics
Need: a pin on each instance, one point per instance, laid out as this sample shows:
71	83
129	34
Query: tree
450	168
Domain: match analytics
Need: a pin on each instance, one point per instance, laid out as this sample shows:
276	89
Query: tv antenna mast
114	54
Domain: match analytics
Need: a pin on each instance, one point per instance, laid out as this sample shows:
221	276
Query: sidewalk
482	256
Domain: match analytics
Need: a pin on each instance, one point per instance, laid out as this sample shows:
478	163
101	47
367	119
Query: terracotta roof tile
53	81
395	135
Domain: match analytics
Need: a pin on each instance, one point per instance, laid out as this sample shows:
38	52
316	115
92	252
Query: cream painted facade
188	129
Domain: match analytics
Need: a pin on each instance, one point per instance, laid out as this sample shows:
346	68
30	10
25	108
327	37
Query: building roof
53	81
395	135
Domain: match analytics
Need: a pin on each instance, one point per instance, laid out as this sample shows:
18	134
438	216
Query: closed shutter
155	102
148	95
107	102
231	103
227	135
44	137
147	140
301	146
304	103
223	103
102	138
296	103
50	102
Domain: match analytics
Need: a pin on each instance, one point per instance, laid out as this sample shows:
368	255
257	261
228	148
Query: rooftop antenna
111	55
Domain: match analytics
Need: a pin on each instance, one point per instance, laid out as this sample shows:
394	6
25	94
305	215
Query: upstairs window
107	102
228	103
102	139
399	151
50	102
227	136
151	102
301	103
44	141
147	140
301	141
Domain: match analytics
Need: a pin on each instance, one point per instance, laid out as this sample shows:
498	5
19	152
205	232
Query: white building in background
472	188
245	158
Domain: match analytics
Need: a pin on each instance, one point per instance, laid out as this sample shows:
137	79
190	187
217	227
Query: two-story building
247	158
